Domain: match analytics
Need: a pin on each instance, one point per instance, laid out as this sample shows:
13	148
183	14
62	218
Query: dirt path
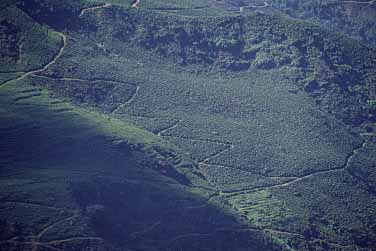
115	110
229	146
342	168
45	67
36	242
128	102
253	173
83	11
266	4
176	124
242	8
196	140
161	133
215	155
357	2
51	226
82	80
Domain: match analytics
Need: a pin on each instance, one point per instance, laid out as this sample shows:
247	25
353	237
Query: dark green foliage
57	13
8	230
334	222
97	93
37	46
9	39
349	17
269	108
363	168
89	190
113	203
259	41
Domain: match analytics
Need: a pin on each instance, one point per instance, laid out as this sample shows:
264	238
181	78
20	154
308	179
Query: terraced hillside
181	125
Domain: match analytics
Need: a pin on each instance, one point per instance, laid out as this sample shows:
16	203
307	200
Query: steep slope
353	18
73	178
271	110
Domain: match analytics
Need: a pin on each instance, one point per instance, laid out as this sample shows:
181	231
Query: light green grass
104	124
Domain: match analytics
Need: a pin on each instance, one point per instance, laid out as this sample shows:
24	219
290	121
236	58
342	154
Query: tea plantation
182	125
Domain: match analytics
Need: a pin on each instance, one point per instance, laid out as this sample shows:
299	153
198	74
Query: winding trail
229	147
58	55
219	153
83	80
128	102
45	230
36	240
292	180
178	8
45	67
194	140
203	164
358	2
30	243
254	173
83	11
266	4
242	8
116	109
35	244
342	168
174	125
161	133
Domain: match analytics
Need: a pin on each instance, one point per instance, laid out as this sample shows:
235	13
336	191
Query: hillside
352	18
182	125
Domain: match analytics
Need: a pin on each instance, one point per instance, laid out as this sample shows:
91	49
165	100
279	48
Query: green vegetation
4	77
98	93
76	165
351	18
162	127
27	45
258	41
262	209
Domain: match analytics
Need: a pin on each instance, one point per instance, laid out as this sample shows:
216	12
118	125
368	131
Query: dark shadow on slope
124	202
142	216
56	13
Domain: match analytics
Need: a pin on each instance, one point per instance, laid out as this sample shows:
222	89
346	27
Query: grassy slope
73	178
285	140
255	127
66	181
